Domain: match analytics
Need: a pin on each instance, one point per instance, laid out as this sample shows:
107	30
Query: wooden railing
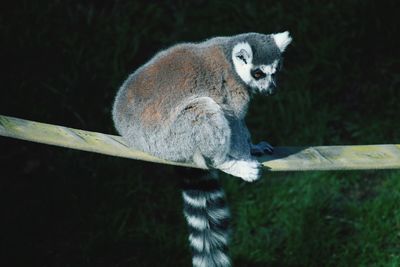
354	157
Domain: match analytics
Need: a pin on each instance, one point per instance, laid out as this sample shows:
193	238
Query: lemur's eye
257	74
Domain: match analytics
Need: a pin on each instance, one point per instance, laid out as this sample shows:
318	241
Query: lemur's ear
282	40
243	55
243	52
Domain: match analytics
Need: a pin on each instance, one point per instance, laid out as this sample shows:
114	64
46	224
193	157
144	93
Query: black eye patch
257	74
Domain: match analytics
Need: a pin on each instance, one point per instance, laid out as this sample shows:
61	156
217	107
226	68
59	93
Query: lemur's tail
207	215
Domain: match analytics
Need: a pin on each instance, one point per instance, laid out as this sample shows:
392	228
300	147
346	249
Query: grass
63	62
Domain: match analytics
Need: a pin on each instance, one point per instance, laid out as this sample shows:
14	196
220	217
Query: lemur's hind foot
248	170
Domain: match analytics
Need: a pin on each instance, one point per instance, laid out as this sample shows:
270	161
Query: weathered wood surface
354	157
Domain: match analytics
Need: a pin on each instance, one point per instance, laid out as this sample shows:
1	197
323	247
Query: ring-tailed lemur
188	104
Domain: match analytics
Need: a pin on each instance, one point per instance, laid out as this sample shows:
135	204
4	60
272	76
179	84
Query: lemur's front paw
248	170
261	149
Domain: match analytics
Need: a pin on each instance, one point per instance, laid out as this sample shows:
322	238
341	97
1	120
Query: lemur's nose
257	73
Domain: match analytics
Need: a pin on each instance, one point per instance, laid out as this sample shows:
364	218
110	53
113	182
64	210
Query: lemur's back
154	92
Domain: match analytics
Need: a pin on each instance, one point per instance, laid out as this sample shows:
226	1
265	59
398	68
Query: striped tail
207	215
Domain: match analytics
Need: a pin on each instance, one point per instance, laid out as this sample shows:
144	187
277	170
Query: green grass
63	63
319	220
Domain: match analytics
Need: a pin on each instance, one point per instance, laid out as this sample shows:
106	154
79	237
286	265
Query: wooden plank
357	157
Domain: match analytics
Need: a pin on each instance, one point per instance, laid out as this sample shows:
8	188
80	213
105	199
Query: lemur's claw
261	149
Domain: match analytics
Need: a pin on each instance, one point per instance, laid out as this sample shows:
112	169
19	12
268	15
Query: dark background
62	63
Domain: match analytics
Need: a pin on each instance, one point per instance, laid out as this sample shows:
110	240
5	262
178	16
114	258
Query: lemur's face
261	77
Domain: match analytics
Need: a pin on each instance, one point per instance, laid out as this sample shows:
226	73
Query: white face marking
282	40
270	69
242	57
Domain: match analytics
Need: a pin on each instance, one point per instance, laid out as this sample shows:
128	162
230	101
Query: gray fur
188	103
